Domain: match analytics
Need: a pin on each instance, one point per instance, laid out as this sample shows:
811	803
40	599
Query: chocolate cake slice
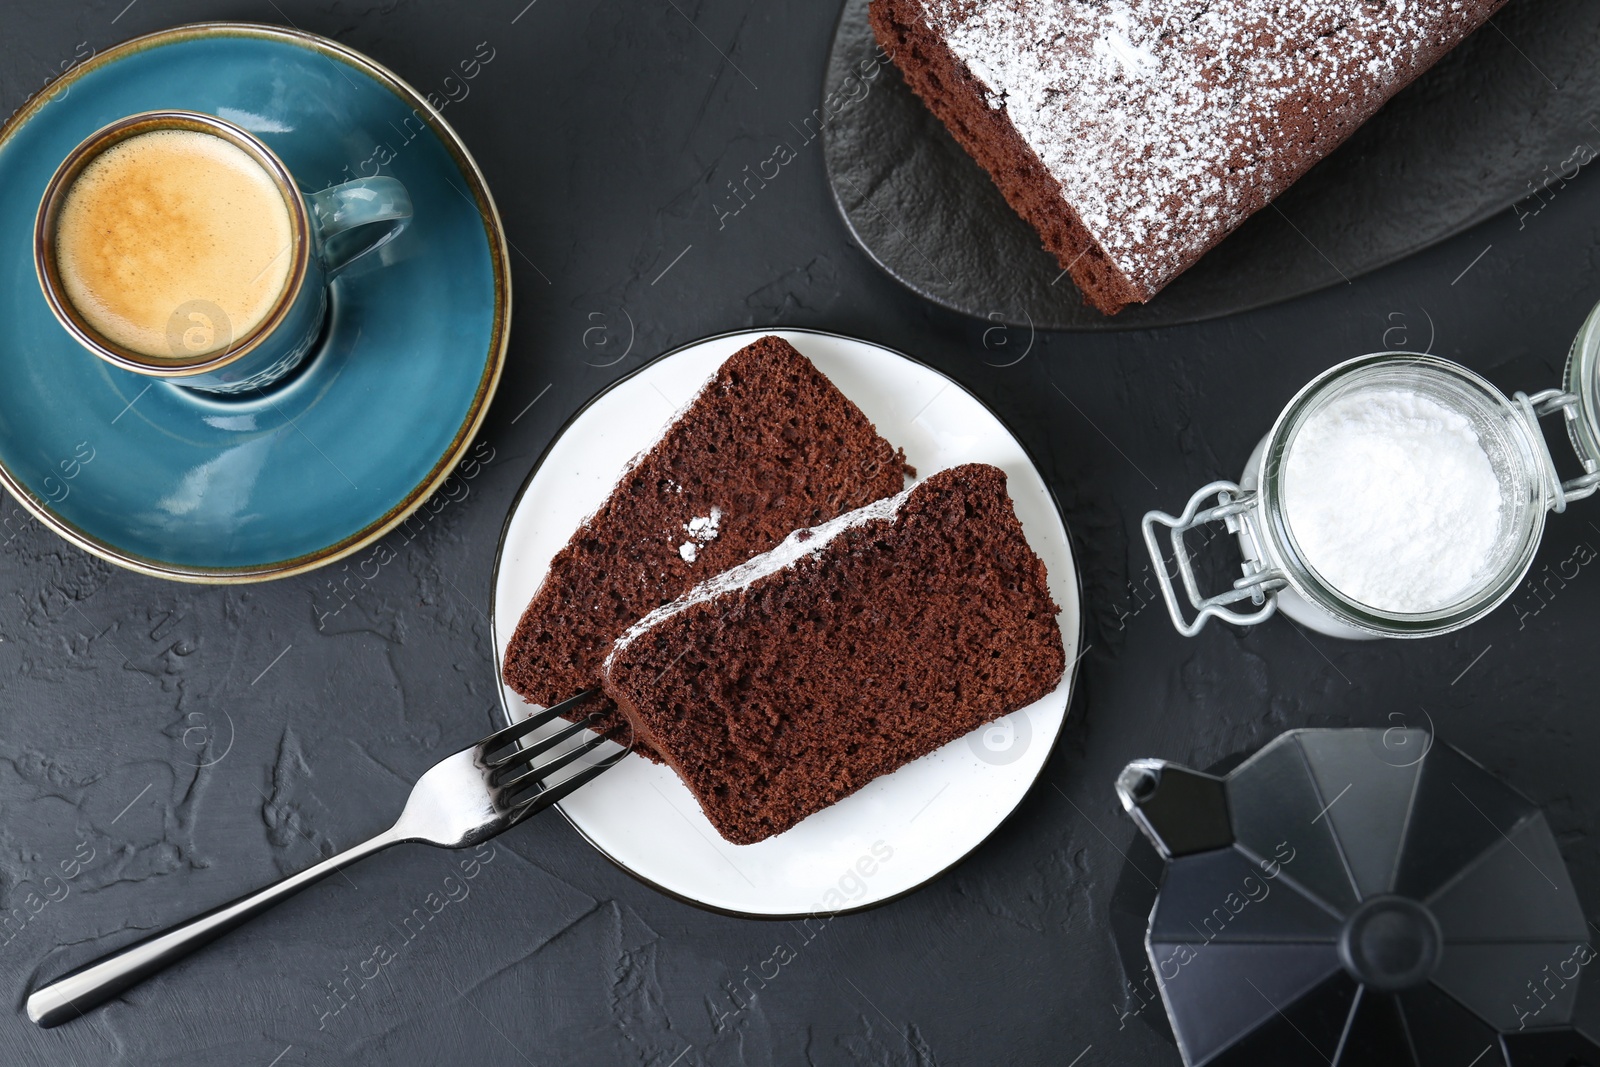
767	445
1136	134
852	648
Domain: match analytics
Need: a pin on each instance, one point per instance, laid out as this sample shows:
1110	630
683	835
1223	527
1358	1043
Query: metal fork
460	801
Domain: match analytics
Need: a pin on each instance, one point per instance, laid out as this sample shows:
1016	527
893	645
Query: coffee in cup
168	218
175	244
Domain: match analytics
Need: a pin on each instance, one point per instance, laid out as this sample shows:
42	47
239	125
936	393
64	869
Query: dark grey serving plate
1493	127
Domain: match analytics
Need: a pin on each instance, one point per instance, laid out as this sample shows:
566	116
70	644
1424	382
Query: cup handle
358	203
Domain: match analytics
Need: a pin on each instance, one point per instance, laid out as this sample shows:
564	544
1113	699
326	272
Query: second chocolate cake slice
767	445
849	650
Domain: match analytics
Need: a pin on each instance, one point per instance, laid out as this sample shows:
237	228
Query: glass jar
1276	573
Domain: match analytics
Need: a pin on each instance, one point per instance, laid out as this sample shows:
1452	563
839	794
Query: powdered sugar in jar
1393	500
1397	495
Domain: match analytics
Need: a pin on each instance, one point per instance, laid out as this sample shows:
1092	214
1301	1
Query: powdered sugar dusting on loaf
1159	117
791	550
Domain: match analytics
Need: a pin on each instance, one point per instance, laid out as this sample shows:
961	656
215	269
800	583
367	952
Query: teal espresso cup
176	245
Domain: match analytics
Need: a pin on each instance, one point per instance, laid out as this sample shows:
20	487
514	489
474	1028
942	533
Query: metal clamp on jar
1279	573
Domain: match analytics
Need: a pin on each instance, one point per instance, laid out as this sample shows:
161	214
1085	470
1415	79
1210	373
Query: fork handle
89	986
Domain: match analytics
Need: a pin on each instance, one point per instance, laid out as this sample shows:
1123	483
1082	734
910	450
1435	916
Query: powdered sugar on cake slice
701	528
791	550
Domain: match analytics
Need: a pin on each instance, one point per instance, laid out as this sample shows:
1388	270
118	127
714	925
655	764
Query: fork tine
528	752
545	770
518	730
554	793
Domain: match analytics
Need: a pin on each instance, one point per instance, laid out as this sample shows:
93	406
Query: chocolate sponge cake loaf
768	445
852	648
1136	134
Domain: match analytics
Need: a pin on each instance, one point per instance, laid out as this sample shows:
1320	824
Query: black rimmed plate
903	829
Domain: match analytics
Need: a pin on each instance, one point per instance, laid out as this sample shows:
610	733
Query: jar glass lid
1406	492
1582	380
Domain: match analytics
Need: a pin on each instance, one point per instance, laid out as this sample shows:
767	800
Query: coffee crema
163	231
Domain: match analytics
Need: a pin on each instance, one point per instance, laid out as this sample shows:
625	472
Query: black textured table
170	747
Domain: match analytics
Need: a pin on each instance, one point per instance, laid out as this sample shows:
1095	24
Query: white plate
903	829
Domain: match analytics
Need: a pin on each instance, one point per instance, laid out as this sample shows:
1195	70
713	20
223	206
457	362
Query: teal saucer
176	484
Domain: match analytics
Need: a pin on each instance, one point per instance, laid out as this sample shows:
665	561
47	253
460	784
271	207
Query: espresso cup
176	245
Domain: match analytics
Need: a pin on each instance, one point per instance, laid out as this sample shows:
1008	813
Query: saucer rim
500	331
